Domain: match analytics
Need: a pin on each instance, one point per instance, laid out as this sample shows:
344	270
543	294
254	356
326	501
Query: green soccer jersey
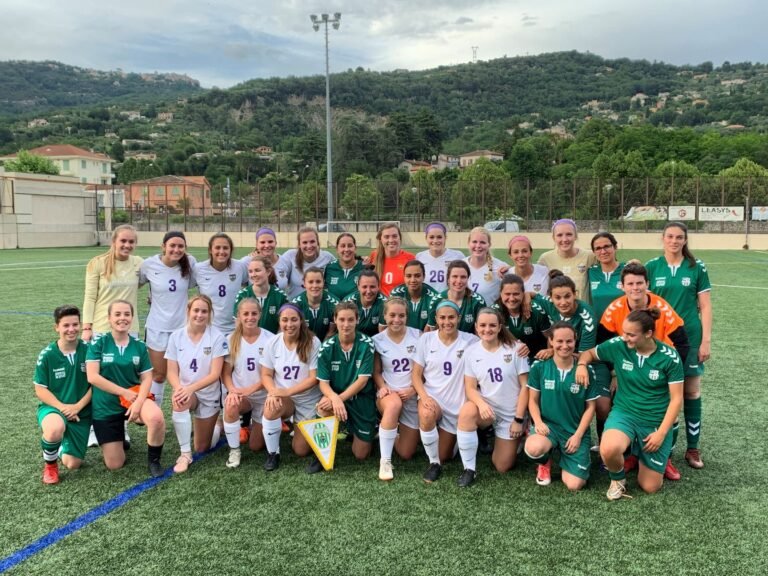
369	319
121	365
643	381
583	320
562	401
340	369
318	319
418	310
604	287
531	331
341	282
270	305
64	375
468	310
681	286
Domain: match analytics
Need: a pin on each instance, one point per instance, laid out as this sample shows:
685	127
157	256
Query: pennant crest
321	434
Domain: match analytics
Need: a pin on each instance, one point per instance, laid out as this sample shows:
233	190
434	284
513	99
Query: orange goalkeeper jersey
618	310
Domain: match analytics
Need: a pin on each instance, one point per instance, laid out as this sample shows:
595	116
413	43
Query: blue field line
91	516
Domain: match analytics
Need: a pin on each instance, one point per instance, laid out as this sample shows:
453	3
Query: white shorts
208	402
256	400
409	416
449	420
157	340
305	405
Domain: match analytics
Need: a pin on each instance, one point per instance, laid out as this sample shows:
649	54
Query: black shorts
110	430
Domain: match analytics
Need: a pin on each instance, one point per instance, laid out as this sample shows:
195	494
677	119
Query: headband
289	306
173	234
261	231
439	225
444	303
519	238
564	221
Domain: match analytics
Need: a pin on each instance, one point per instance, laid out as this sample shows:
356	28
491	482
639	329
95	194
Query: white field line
12	264
741	287
42	268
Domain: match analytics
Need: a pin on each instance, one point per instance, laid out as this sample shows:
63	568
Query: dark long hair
687	254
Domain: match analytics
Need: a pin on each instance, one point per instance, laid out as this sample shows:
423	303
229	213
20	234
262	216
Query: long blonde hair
110	255
488	256
378	265
237	335
299	253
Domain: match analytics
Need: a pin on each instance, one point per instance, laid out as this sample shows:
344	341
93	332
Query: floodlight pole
335	21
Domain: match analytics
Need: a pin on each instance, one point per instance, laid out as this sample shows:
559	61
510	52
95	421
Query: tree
422	196
360	197
32	164
479	186
745	177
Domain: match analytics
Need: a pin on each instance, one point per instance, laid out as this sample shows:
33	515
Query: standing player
495	378
484	278
395	394
438	378
529	331
61	386
298	259
561	411
683	281
574	262
120	372
289	375
269	296
341	274
169	275
195	358
466	301
437	257
416	293
317	304
266	247
369	301
242	379
647	401
605	276
389	258
535	276
344	370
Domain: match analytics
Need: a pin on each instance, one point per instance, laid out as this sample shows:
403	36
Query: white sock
232	431
468	443
387	442
182	425
430	441
216	436
271	430
158	389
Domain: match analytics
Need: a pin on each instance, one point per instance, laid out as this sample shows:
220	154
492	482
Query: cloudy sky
224	42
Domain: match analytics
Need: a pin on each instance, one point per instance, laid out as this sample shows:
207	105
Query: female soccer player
495	378
683	281
437	257
220	278
169	275
289	375
195	358
344	370
317	304
370	303
269	296
574	262
529	331
416	293
389	258
647	401
61	386
298	259
484	268
438	378
561	411
395	394
266	246
605	276
535	276
120	372
467	301
341	274
242	378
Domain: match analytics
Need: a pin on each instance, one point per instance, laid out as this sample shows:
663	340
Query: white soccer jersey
444	368
169	292
497	375
397	359
222	288
194	359
295	276
436	269
288	367
246	368
539	280
486	281
280	268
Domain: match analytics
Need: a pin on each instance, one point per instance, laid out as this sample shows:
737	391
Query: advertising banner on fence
642	213
721	213
759	212
681	213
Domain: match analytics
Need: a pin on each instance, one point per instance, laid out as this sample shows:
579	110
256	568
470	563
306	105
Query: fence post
528	201
622	204
747	213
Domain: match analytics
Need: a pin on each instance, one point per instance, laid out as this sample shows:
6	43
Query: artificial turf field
214	520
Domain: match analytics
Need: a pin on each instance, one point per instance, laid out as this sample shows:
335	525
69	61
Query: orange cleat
630	463
671	473
51	473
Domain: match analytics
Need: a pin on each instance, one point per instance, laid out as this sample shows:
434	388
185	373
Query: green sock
692	411
675	432
620	475
50	450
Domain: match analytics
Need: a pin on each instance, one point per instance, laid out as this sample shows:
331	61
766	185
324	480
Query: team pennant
320	434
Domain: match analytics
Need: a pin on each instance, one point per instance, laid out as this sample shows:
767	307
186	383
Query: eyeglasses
603	248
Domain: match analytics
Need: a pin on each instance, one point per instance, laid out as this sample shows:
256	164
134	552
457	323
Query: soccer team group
453	352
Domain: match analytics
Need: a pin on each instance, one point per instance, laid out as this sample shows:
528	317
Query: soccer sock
599	427
387	442
216	436
154	453
468	444
430	441
245	419
675	432
158	389
271	430
182	425
692	411
50	450
620	475
538	459
232	431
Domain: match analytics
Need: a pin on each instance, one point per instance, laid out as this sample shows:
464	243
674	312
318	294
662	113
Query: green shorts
603	373
692	366
637	430
75	441
577	463
362	417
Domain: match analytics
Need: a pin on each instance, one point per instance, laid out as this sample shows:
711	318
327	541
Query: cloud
463	20
529	20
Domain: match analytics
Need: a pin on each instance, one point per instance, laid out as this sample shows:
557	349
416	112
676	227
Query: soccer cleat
234	458
670	472
183	462
272	462
51	473
92	438
245	433
385	470
617	490
314	467
467	478
693	457
544	473
155	469
433	473
630	463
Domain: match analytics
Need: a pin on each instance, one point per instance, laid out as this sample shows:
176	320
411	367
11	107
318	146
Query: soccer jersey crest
527	330
459	353
411	349
469	318
334	281
207	350
537	287
507	358
232	277
686	281
136	360
575	388
581	268
424	314
653	374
